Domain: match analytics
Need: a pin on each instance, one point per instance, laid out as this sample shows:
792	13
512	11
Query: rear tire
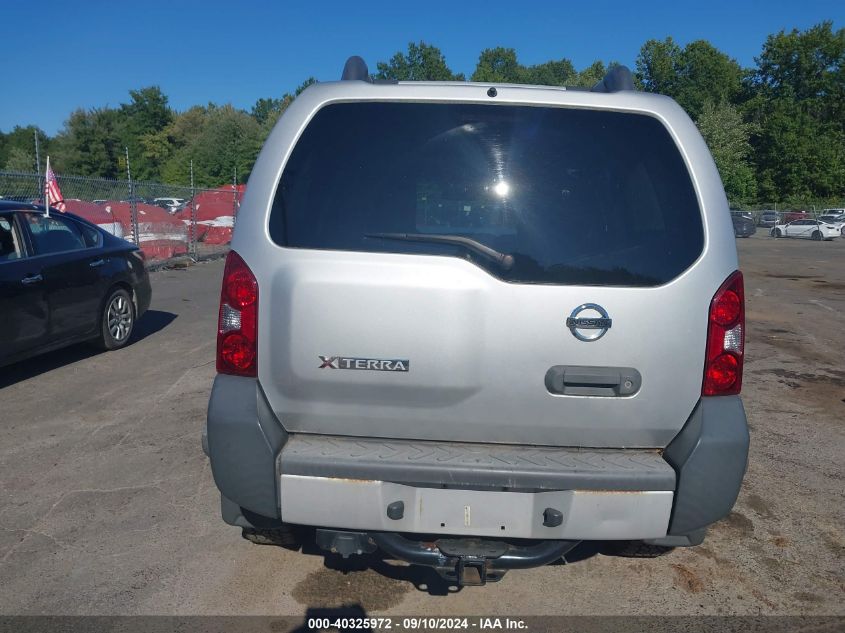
817	236
776	233
636	549
284	536
117	320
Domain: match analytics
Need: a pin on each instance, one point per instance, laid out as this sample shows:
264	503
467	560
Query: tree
264	109
692	75
89	144
591	75
173	143
800	157
727	136
23	139
18	159
147	110
798	102
807	65
657	66
498	65
706	74
301	87
422	62
226	142
147	114
559	72
268	111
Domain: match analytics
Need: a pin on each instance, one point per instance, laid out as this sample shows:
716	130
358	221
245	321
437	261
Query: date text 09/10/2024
414	623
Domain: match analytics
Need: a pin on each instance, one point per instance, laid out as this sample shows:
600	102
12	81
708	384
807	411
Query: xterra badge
371	364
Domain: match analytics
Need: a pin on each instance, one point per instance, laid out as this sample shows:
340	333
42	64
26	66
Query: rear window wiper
504	260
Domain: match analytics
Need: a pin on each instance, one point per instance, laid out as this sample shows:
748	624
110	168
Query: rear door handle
579	380
97	262
32	279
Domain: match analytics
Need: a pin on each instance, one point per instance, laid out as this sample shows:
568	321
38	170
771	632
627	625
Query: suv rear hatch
376	321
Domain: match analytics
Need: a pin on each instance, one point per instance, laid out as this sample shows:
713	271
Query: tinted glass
10	247
574	196
54	234
90	235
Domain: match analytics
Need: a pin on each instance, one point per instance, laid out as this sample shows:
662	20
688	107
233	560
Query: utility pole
37	153
234	194
133	207
41	183
193	236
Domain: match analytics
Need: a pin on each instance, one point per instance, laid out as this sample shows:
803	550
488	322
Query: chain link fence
790	212
166	221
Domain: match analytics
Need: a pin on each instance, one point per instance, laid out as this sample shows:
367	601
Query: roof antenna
355	69
617	78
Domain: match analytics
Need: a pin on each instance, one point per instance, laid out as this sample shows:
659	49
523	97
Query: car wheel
776	233
285	536
817	235
117	320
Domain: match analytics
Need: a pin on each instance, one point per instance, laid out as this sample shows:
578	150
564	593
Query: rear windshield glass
530	194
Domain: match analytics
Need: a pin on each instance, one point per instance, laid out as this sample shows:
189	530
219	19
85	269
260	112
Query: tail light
237	326
725	340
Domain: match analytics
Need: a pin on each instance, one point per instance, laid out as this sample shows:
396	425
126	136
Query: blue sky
90	53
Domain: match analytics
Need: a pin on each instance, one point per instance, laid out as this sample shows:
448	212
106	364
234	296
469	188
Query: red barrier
161	236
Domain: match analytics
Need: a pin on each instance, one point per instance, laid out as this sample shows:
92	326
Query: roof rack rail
617	78
354	69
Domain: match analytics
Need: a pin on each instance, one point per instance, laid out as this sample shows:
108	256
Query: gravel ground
107	505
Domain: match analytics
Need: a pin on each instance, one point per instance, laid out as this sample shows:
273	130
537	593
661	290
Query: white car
170	204
836	219
808	229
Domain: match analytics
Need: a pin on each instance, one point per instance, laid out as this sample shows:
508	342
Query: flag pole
46	185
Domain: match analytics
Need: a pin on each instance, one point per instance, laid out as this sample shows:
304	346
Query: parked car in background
807	229
837	220
64	280
136	200
743	223
769	218
172	205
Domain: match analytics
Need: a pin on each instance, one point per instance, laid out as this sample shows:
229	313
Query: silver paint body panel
478	347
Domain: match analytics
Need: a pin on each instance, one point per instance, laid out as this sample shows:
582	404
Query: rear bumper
583	514
473	489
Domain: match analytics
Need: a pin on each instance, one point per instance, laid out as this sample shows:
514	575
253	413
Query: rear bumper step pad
478	466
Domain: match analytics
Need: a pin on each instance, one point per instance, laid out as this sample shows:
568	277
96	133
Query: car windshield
574	196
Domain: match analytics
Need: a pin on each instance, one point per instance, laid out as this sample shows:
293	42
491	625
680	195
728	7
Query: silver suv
472	325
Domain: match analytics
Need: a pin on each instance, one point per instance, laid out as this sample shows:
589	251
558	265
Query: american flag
52	193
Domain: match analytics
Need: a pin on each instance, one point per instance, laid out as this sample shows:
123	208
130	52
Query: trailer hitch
471	561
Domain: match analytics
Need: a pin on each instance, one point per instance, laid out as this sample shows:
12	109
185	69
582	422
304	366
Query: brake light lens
725	339
237	324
